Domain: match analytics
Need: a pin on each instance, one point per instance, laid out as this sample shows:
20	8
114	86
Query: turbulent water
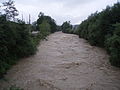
64	62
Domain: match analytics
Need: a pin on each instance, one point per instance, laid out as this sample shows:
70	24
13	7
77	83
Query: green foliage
76	32
44	25
49	20
15	43
16	39
44	29
99	30
66	27
59	28
10	10
113	46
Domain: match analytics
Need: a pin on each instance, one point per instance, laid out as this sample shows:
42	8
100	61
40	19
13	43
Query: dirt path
64	62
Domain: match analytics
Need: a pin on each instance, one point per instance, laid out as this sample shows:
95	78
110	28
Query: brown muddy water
64	62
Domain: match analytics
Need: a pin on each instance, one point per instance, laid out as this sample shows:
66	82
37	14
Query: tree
44	29
41	14
49	20
100	29
113	46
15	43
10	10
66	27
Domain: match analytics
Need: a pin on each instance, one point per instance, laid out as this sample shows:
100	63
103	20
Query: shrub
99	30
15	43
113	46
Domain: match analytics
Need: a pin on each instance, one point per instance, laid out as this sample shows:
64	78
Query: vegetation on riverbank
16	38
103	29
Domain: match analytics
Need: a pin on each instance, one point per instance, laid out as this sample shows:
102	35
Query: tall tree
66	27
48	19
10	10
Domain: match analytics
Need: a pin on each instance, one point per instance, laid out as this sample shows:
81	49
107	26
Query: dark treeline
67	27
44	25
17	39
103	29
15	43
47	19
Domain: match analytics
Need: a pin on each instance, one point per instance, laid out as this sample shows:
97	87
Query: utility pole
29	19
22	17
29	24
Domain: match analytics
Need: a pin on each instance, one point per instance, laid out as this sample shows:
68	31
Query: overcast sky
61	10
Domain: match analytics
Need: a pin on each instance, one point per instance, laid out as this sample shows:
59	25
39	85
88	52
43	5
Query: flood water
64	62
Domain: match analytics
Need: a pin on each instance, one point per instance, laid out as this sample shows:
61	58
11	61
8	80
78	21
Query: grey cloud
61	10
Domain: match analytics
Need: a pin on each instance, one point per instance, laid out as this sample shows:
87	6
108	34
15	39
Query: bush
15	43
66	27
99	30
113	46
44	29
43	18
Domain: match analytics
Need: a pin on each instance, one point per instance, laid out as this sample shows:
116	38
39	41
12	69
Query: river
64	62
